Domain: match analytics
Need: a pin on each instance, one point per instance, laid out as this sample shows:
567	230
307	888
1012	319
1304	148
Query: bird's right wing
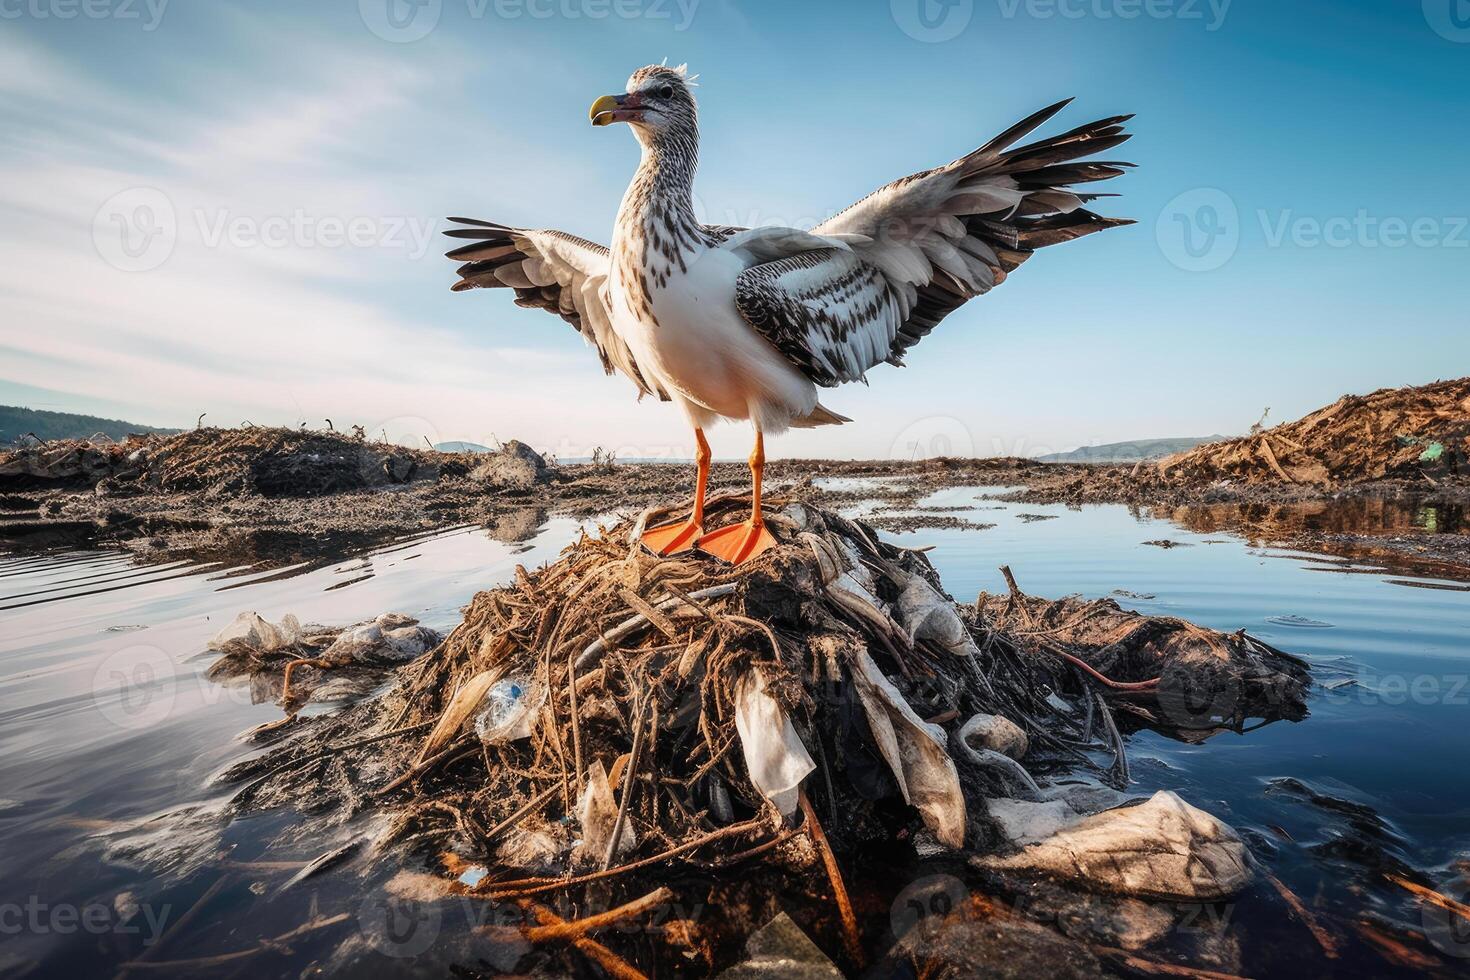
549	270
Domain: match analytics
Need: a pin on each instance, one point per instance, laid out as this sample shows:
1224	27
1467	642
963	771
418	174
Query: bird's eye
667	92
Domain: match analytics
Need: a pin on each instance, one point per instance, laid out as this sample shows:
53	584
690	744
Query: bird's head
658	104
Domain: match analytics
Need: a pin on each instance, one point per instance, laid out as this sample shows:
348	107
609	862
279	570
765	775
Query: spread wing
549	270
917	249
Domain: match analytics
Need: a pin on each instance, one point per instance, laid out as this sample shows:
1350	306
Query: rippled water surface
107	719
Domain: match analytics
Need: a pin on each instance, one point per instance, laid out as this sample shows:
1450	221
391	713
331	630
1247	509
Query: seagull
749	323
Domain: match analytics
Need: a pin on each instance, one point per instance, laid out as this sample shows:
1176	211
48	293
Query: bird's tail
822	415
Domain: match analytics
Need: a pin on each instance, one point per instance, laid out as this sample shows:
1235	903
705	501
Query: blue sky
278	173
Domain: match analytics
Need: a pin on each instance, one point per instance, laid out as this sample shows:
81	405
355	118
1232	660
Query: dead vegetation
271	462
1392	433
615	722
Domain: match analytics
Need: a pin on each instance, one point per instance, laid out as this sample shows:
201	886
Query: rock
997	733
779	950
1163	848
399	469
515	466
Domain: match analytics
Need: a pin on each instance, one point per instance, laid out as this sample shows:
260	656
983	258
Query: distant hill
1128	452
16	422
462	447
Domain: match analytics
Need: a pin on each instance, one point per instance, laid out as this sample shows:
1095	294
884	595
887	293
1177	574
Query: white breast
704	352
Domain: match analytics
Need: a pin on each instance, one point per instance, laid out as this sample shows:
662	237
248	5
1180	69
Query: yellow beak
602	110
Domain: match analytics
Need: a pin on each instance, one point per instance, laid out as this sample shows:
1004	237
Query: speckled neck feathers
656	231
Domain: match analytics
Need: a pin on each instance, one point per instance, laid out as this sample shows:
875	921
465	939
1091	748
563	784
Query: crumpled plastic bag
250	634
774	754
509	710
928	615
391	638
1163	849
916	752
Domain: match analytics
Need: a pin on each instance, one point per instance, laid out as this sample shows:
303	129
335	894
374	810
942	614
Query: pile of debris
271	462
615	726
1392	433
353	658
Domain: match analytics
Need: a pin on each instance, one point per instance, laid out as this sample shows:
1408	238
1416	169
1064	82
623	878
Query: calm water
107	720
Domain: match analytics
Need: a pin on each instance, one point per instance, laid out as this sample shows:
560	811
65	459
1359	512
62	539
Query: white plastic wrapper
774	754
916	752
249	633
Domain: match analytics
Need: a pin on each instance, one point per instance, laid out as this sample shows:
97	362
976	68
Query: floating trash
1299	622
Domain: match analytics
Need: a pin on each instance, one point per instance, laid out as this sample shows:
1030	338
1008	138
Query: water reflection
1270	523
87	773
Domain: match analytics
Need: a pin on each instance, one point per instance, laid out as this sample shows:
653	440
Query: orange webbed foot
672	539
737	543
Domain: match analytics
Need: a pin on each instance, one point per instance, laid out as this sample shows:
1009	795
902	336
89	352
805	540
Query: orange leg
670	539
739	543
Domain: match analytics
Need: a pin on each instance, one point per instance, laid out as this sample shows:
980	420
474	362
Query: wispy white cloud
264	307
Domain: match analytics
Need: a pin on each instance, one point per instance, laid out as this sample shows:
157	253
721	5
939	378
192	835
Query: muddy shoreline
237	526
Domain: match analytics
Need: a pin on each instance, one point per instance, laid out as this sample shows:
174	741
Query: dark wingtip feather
1020	129
479	223
476	233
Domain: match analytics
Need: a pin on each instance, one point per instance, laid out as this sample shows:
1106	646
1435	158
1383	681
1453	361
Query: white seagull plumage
742	323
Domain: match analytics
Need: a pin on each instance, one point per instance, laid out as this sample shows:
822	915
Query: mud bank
258	495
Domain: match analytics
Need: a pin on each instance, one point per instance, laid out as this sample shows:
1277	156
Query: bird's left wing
549	270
